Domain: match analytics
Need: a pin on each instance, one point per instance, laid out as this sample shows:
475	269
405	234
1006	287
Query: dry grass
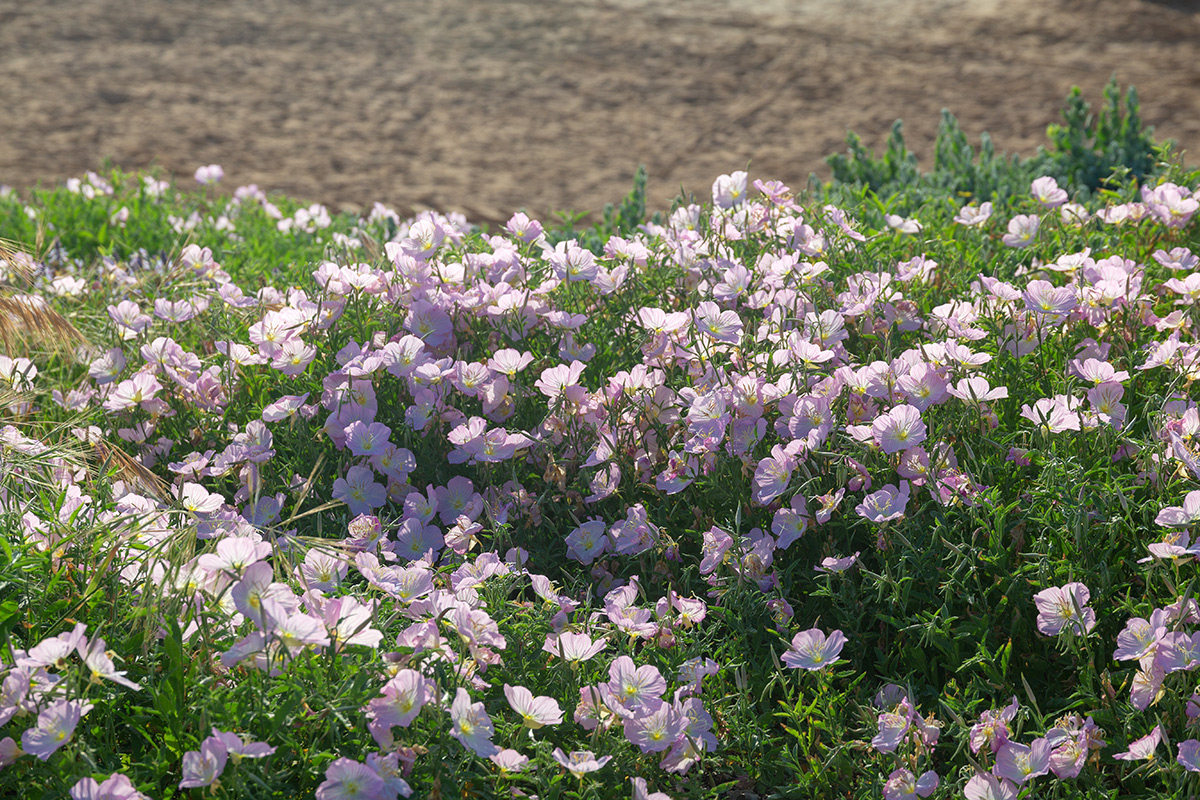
26	319
131	471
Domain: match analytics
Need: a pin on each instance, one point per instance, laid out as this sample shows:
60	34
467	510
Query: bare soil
488	106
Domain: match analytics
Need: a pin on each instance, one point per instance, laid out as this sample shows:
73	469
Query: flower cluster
712	424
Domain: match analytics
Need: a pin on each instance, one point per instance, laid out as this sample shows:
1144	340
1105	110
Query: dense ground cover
888	497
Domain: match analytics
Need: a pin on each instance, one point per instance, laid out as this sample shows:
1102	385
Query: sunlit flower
350	780
655	726
509	761
1022	229
642	792
1019	763
535	712
984	786
573	648
471	725
55	727
813	650
899	429
580	762
903	785
114	787
1064	608
1142	749
972	215
1047	192
209	174
886	504
729	190
204	766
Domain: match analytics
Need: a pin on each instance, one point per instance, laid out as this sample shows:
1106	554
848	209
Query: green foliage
620	219
939	603
1087	153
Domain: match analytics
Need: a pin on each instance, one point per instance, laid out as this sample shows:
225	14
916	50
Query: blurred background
490	106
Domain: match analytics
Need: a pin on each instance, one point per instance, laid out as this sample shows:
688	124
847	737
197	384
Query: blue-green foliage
1087	153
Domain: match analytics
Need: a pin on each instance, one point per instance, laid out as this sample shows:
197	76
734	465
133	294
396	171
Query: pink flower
293	356
1140	637
571	262
234	554
831	564
202	767
140	389
1181	516
1188	289
587	542
55	727
633	686
198	500
1177	258
772	475
1022	229
923	386
359	491
100	664
655	727
892	728
295	631
556	381
1047	192
812	650
1172	205
992	728
535	711
1045	299
350	780
1019	763
115	787
974	391
1054	414
365	439
972	216
714	547
886	504
902	224
240	748
722	326
1142	749
509	362
828	504
789	524
1189	755
1105	401
509	761
898	429
574	648
1146	686
729	190
471	725
903	785
129	319
988	787
403	698
642	792
1063	608
209	174
580	762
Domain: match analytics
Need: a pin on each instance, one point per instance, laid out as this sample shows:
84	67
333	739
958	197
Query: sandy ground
487	106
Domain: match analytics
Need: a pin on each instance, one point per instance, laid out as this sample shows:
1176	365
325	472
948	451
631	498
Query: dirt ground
488	106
